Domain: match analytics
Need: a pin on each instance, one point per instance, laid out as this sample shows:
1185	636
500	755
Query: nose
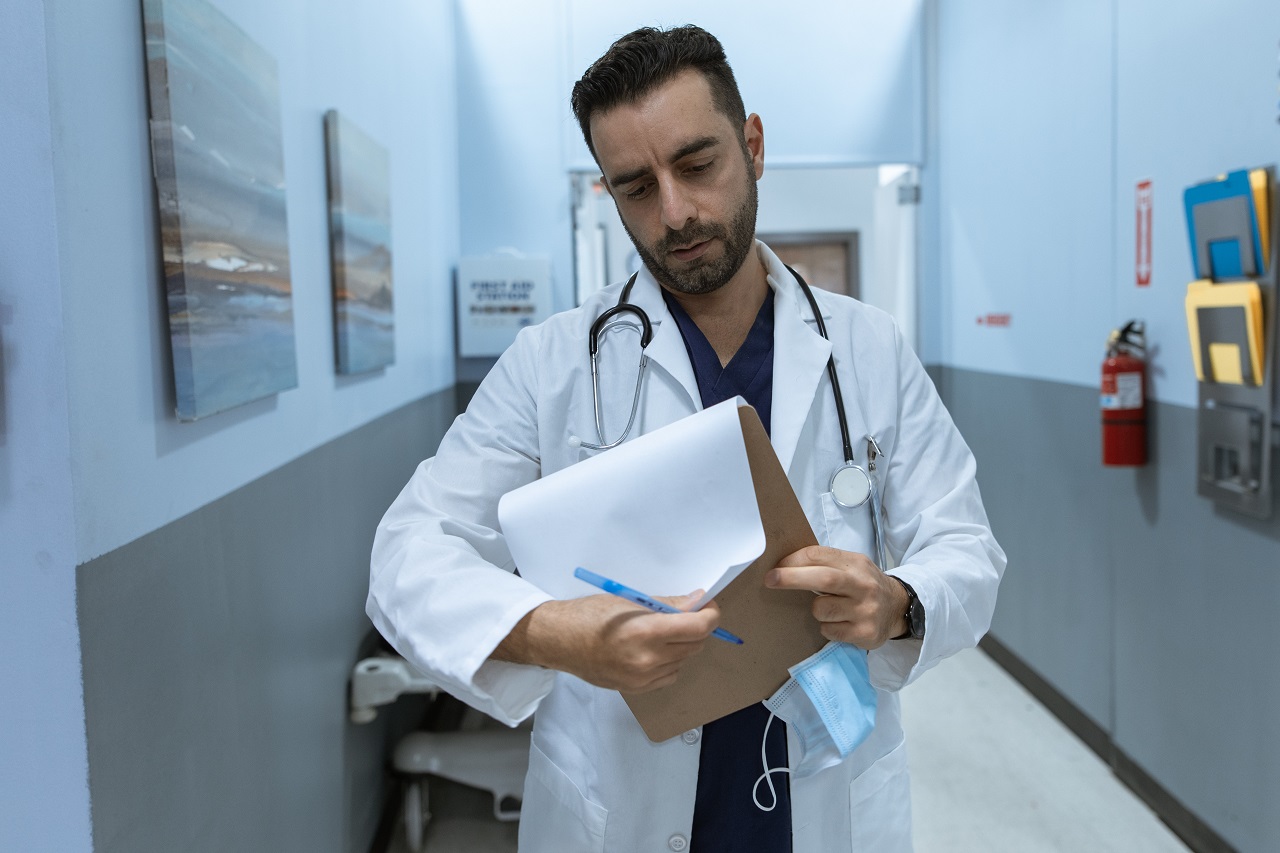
678	209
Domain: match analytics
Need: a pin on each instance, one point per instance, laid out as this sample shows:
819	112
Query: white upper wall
1024	177
514	191
836	84
1049	114
389	67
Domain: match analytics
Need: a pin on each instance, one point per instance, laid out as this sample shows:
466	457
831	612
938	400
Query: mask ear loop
767	775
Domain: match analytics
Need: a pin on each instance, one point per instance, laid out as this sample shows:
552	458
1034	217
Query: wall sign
498	295
1142	269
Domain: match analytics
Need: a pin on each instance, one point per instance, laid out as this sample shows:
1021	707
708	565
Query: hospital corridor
992	772
516	426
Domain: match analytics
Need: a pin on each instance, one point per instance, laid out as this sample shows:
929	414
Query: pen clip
873	452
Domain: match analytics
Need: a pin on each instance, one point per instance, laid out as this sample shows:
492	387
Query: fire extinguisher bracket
1234	456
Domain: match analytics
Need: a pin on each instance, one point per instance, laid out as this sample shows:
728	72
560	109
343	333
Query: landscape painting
219	165
360	242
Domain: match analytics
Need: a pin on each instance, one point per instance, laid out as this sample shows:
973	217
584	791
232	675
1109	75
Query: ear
604	183
753	133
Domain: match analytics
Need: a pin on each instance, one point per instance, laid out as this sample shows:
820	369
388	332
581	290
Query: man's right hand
609	641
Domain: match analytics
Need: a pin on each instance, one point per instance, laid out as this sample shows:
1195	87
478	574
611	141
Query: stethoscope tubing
831	367
624	305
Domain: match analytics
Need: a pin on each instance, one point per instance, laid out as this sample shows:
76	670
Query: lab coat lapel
667	349
800	357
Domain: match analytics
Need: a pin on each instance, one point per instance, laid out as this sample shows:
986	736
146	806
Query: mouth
692	251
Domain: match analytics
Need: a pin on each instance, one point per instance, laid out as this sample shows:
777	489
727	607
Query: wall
517	62
836	84
44	801
213	573
217	652
390	68
1135	599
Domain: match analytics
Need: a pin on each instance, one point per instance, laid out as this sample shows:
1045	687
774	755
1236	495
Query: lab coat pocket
556	816
848	529
880	805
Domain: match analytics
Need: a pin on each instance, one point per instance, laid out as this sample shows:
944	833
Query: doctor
662	115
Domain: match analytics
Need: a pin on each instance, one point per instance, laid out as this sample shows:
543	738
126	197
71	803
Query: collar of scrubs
749	373
800	352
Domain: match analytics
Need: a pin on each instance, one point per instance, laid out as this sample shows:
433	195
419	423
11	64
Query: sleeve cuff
898	662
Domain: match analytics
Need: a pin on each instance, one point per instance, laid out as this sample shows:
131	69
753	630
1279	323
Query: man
662	115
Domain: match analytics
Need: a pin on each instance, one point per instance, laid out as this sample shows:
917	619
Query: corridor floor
992	772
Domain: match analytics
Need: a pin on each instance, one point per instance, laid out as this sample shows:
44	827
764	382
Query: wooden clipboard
777	626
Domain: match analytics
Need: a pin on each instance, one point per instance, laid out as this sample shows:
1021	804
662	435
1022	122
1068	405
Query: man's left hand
856	603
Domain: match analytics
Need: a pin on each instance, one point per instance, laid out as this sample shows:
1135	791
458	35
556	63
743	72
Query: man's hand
611	642
856	603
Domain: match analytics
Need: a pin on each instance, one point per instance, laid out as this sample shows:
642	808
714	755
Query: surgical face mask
830	705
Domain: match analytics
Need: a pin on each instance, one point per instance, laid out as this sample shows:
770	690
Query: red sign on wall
1143	263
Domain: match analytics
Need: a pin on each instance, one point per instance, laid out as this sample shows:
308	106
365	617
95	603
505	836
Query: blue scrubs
725	818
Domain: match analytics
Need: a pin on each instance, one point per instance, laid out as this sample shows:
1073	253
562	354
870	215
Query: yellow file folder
1225	325
1262	208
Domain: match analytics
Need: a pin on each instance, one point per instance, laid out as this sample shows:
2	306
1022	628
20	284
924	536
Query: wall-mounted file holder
1231	321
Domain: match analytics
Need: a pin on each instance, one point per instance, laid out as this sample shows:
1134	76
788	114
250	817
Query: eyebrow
700	144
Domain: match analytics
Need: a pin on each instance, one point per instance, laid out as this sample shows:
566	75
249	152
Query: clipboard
777	626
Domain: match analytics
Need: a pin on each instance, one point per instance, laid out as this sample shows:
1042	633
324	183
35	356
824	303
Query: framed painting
218	157
360	247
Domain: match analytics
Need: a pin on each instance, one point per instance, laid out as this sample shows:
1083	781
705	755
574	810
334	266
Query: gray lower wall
217	649
1149	609
217	652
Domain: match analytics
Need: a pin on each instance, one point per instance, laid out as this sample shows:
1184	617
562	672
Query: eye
638	193
699	168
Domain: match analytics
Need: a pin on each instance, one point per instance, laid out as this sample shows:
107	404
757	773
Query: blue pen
615	588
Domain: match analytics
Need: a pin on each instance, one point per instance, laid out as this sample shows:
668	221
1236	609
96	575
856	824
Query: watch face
917	618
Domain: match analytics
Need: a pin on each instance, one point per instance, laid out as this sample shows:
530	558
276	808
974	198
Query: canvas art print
219	164
360	240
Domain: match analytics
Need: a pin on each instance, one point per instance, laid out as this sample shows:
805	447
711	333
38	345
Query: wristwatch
914	614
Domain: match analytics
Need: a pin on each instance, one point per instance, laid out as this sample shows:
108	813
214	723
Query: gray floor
992	771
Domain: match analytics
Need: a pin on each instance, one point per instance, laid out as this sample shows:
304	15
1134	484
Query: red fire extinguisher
1124	397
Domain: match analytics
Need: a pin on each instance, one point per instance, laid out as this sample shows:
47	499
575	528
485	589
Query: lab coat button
690	737
678	843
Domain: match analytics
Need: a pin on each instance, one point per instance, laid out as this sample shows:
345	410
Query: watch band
914	615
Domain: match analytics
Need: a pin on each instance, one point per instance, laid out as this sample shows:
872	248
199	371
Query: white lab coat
442	592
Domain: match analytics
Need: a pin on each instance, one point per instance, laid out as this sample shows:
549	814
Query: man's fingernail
771	577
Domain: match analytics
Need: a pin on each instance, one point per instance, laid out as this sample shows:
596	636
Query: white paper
666	513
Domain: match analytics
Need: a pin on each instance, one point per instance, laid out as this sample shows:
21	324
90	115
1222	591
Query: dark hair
643	60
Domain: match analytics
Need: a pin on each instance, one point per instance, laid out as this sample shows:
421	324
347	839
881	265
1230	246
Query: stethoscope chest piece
850	486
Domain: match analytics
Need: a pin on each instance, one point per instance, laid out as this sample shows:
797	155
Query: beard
710	275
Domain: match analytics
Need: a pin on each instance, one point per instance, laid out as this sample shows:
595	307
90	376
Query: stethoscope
851	485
